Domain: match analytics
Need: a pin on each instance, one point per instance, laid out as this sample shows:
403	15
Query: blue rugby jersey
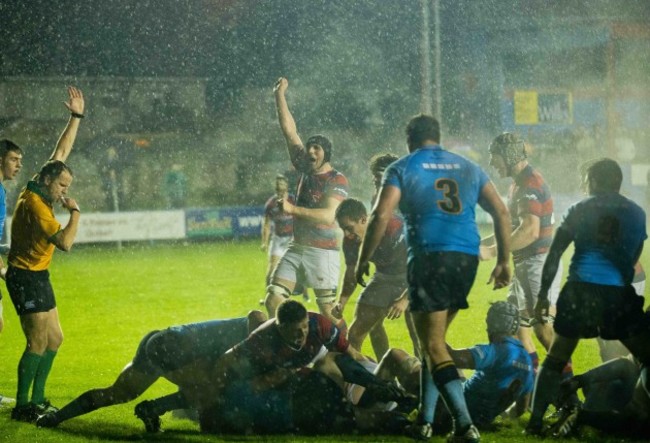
607	230
439	193
497	366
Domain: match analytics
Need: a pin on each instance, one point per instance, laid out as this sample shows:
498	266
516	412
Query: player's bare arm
75	105
398	307
266	233
463	358
525	234
64	239
382	213
561	242
287	122
491	202
349	285
325	215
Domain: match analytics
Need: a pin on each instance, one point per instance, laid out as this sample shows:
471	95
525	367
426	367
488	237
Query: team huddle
293	371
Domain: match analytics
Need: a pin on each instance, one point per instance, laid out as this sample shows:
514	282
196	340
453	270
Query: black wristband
75	115
75	209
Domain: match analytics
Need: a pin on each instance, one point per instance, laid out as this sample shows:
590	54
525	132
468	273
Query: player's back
439	193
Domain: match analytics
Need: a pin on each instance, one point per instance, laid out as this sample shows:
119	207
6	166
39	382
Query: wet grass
108	300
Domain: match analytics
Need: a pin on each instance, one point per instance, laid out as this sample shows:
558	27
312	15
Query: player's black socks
83	404
353	372
170	402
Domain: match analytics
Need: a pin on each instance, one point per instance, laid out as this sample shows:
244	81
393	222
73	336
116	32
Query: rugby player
608	232
385	294
180	354
437	192
312	258
531	212
11	157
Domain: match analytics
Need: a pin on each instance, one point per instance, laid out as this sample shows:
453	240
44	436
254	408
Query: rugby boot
471	435
151	420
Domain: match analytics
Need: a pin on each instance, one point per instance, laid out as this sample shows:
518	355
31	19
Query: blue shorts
440	281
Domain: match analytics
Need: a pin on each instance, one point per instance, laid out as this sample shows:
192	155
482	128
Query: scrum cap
502	319
323	142
509	146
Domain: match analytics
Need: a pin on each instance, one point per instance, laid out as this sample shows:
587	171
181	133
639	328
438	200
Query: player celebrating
313	258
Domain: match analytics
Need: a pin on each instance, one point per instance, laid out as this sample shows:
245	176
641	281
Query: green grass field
108	299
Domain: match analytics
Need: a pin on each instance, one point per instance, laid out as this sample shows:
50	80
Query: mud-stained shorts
383	289
440	281
312	267
527	281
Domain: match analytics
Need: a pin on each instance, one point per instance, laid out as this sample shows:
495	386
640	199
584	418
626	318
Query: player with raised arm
437	192
313	258
35	234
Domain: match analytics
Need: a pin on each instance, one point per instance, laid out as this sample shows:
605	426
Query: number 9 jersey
439	193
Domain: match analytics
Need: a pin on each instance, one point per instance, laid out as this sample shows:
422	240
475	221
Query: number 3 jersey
439	193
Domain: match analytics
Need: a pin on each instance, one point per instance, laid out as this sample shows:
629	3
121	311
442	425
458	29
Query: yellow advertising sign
526	109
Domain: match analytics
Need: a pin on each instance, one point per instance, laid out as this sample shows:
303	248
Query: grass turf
109	299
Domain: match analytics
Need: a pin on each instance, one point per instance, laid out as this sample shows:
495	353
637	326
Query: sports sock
428	395
27	368
167	403
44	367
83	404
547	386
446	378
353	372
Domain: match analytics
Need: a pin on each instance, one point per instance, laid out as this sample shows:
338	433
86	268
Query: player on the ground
385	294
11	157
35	233
270	358
503	376
178	352
617	400
437	192
313	258
608	232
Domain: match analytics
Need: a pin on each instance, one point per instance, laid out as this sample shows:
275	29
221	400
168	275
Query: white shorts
279	245
527	282
383	289
311	267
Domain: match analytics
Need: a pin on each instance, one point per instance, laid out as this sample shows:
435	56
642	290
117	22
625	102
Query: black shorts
588	310
441	281
30	291
141	360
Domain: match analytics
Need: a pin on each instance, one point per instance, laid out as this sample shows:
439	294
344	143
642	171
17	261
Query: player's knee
325	299
255	318
273	291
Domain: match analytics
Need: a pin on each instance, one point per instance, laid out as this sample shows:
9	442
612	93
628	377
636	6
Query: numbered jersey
439	193
608	231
